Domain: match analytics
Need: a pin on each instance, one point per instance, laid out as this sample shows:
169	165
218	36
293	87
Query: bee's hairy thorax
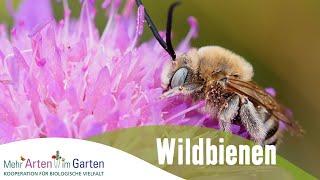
214	93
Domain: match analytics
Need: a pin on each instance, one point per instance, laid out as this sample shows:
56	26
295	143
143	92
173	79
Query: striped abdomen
272	127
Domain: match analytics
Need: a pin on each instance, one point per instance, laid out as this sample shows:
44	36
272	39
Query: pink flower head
62	79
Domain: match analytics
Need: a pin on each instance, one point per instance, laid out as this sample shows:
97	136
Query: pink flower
63	79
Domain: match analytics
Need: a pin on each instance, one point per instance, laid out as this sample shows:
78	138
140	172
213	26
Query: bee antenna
169	27
155	31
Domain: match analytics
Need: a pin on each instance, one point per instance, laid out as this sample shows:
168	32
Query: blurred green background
280	38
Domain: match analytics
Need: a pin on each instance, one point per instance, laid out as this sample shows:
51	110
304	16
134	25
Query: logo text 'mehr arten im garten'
55	165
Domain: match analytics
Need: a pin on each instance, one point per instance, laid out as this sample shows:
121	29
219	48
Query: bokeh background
280	38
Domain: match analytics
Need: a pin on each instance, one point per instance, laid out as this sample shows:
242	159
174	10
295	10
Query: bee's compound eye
179	77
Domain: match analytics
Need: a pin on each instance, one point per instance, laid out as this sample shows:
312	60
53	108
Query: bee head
183	70
178	70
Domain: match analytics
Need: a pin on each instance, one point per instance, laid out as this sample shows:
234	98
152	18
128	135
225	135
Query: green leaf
141	142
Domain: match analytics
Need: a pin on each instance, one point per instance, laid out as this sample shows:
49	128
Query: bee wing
259	97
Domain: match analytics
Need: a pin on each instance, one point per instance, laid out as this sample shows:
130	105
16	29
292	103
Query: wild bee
224	80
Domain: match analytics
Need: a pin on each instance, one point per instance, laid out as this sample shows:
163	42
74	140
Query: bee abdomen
273	131
271	125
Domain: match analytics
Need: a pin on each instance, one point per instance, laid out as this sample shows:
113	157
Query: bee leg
187	89
228	112
252	120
